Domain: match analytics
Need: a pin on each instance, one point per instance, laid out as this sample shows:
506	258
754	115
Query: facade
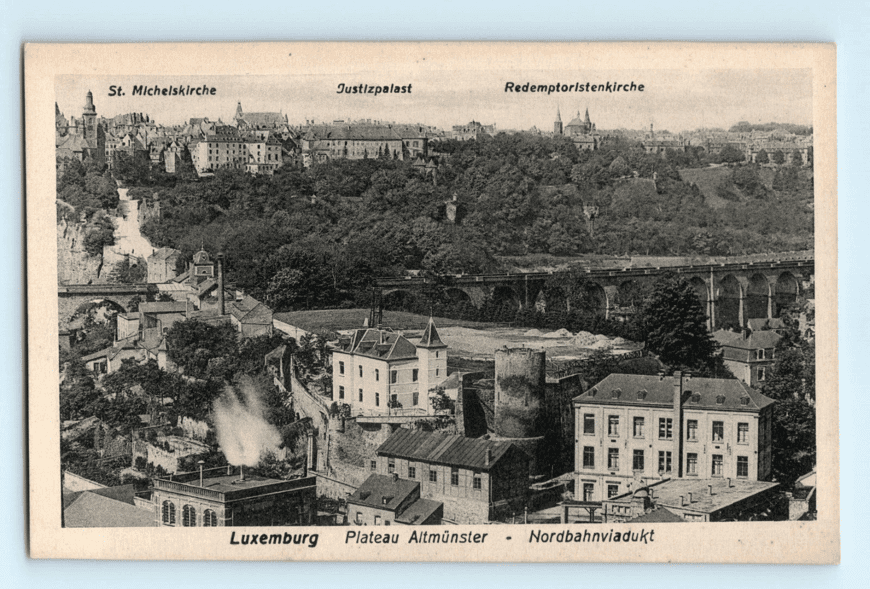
581	130
749	356
228	151
476	480
322	143
378	372
162	265
227	499
387	500
635	429
83	139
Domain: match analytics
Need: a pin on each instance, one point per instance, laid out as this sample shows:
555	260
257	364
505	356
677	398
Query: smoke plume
243	433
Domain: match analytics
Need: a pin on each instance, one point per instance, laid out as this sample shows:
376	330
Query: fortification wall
520	376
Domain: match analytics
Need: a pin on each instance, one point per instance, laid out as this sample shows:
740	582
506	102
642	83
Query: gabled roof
446	449
623	389
658	515
419	511
430	338
163	307
383	492
380	344
756	340
164	253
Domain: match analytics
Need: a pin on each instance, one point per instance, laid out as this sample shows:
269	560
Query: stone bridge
731	292
73	297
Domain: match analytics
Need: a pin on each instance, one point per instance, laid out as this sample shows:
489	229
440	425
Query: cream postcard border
756	542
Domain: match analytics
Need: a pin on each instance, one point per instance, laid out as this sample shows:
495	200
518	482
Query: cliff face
74	264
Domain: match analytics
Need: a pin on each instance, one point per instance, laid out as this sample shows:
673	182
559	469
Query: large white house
378	372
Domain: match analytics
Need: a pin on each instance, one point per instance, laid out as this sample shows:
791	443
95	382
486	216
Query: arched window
188	516
209	519
168	513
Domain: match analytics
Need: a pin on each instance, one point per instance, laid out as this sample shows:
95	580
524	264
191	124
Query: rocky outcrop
74	264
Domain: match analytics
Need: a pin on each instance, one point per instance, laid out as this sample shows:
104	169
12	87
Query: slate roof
430	337
165	253
756	340
163	307
419	511
92	510
383	492
623	389
441	448
352	133
380	344
260	119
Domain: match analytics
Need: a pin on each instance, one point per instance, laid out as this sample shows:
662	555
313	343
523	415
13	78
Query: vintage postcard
433	302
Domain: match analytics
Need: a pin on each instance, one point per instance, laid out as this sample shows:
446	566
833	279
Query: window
759	354
612	491
637	462
718	431
613	458
393	376
377	520
169	513
476	482
454	476
717	465
188	516
588	491
374	465
691	463
341	367
341	392
412	472
742	433
613	425
638	427
665	461
415	375
360	396
377	375
360	370
391	466
762	373
394	400
437	371
589	424
742	467
666	428
415	399
437	354
692	429
359	517
209	519
377	399
588	457
433	476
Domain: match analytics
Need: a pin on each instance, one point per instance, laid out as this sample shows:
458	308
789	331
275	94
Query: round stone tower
520	383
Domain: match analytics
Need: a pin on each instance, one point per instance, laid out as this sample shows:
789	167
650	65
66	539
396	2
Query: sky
672	100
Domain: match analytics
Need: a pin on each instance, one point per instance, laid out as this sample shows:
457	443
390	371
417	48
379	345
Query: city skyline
671	100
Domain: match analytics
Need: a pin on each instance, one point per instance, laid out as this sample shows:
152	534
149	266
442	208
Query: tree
674	326
126	272
761	157
193	344
778	157
730	154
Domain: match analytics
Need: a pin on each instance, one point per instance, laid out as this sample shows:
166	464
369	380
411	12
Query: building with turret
580	130
84	139
378	372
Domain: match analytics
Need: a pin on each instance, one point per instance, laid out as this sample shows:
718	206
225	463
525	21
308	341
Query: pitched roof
443	449
756	340
163	307
383	492
91	510
430	338
380	344
419	511
623	389
164	253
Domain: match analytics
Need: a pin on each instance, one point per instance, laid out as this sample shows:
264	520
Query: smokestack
678	424
220	284
242	473
200	463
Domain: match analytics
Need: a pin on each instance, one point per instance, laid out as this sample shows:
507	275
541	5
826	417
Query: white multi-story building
632	430
378	372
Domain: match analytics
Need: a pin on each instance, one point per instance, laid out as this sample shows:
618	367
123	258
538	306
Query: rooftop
443	449
755	340
383	492
699	393
90	509
725	492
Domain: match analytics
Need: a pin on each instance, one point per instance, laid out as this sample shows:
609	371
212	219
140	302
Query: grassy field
338	319
708	180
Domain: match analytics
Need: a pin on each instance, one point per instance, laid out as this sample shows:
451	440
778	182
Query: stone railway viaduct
73	297
731	292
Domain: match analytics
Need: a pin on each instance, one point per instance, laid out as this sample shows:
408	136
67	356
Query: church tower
239	114
557	125
89	118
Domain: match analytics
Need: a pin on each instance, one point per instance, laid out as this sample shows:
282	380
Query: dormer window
696	398
641	395
615	393
720	400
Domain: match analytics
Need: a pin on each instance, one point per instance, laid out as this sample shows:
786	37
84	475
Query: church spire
588	122
558	115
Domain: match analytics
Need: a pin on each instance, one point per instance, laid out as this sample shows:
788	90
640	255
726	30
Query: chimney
682	501
220	283
728	480
710	489
678	423
200	463
229	469
488	458
690	498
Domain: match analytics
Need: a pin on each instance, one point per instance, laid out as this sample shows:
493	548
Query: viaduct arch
71	298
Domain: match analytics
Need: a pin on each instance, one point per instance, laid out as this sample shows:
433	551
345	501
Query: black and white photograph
457	305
